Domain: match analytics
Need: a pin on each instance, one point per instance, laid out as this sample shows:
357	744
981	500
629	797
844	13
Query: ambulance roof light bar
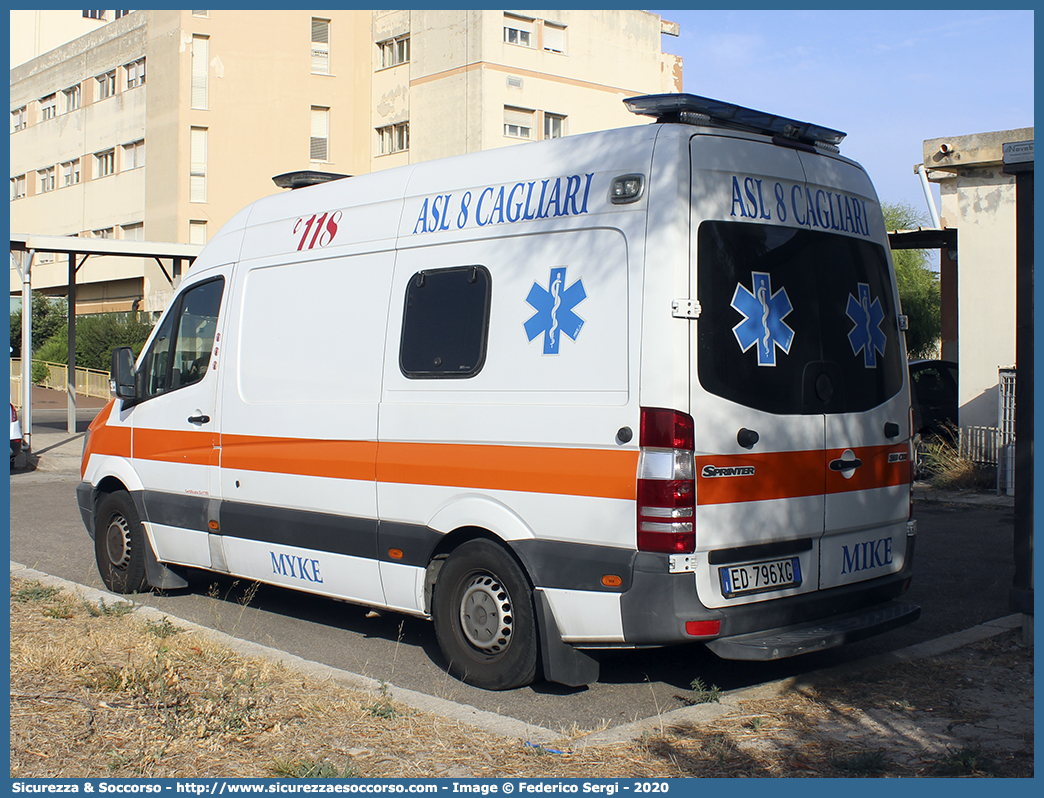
305	178
691	109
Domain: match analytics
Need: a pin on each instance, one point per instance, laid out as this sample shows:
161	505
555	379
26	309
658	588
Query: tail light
666	482
14	414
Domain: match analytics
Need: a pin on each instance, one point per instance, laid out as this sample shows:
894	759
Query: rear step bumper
789	641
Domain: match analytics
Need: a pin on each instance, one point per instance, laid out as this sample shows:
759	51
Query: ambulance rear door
759	422
867	497
798	393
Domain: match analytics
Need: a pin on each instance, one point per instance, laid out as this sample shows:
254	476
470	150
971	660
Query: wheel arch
158	574
452	541
118	470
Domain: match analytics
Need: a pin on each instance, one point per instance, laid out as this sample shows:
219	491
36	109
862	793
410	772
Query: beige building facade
222	101
978	279
34	32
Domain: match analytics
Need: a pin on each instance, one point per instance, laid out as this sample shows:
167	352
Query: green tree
918	284
49	316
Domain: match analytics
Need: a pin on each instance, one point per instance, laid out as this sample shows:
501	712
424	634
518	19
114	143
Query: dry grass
947	469
98	691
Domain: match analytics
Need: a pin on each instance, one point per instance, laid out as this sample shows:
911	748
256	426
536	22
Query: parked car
934	388
16	434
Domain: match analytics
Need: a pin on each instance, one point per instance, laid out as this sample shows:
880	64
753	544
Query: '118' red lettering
323	229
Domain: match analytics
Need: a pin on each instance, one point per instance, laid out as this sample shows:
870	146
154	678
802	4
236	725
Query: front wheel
119	544
484	618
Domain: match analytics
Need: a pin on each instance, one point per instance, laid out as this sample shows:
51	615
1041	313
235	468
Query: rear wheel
484	619
119	544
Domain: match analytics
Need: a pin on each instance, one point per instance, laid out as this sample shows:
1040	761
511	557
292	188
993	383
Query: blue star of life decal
866	336
554	310
763	314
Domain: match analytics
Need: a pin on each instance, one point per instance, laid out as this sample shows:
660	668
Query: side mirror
122	373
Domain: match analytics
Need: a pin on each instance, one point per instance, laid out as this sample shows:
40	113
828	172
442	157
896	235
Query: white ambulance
625	389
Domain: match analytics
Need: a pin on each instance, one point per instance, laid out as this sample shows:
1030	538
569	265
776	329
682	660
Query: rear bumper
658	604
790	641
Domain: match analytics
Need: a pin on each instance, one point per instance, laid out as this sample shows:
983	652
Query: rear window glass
445	323
795	321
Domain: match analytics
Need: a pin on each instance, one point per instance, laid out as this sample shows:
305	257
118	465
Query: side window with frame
154	367
445	324
180	352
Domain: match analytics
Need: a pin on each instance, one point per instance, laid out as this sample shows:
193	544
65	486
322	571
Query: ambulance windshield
794	320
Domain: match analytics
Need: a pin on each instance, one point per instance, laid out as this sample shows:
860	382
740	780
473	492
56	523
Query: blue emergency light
694	110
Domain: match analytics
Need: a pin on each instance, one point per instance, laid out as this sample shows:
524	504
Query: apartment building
36	31
222	101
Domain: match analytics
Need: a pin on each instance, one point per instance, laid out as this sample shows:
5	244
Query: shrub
39	373
96	338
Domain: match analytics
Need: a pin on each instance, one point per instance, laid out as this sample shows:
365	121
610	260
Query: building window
198	164
518	123
106	85
394	51
133	232
133	155
18	187
319	144
320	46
104	163
48	107
94	15
554	38
71	173
518	30
200	72
121	14
46	179
18	119
393	138
197	232
135	73
203	14
103	233
71	99
554	126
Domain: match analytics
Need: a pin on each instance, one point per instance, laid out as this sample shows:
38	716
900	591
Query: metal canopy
924	238
27	245
22	242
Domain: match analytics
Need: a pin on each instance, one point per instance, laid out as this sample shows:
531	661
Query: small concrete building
221	101
978	279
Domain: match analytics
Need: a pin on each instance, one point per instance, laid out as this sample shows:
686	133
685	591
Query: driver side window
180	353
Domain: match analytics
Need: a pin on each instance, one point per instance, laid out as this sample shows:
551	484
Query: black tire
484	618
119	544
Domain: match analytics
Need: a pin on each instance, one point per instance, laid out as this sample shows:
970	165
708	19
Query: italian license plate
758	577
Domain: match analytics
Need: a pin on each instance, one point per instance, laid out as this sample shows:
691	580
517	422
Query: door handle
845	465
747	438
201	419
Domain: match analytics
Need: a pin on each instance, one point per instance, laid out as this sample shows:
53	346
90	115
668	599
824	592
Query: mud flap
561	662
159	575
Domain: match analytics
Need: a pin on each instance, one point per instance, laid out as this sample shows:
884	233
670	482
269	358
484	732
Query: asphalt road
962	575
